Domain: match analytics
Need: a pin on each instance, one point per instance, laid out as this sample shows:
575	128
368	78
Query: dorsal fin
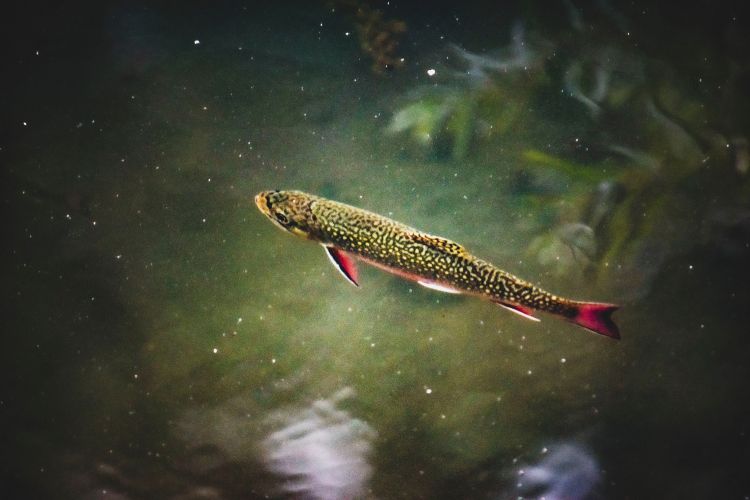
437	242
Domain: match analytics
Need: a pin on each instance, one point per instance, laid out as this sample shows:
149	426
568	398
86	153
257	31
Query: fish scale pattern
409	252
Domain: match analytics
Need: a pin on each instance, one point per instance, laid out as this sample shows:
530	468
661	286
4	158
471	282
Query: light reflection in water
568	472
321	451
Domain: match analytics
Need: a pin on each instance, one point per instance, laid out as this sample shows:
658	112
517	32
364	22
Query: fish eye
282	218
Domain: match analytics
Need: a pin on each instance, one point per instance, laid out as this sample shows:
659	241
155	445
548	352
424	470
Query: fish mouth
261	201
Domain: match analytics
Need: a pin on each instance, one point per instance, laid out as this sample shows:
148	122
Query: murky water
163	340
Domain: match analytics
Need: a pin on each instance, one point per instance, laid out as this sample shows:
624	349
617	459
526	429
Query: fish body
349	233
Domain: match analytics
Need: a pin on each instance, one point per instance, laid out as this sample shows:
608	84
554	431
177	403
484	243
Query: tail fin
597	318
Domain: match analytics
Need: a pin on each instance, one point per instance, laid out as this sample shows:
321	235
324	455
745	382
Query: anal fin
520	310
344	263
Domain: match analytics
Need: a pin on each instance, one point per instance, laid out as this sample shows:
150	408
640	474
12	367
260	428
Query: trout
349	234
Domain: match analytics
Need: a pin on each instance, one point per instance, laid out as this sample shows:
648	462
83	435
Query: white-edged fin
518	310
440	288
345	264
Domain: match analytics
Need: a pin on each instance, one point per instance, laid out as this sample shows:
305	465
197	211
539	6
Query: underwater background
162	340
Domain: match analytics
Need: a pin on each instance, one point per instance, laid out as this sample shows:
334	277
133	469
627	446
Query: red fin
520	310
344	263
597	318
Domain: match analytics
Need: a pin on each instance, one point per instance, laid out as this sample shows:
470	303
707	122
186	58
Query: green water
163	340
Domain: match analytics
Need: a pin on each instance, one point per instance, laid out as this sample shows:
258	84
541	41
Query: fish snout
261	201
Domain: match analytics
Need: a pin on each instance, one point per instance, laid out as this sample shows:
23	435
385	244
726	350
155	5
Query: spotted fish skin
422	257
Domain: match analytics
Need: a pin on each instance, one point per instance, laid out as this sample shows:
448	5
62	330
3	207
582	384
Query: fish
350	234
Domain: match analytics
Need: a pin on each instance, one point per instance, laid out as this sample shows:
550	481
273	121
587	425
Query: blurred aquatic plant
479	70
687	154
578	171
422	120
467	102
569	250
645	145
378	37
438	124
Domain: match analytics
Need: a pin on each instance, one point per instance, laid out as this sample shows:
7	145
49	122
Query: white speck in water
196	42
216	350
372	345
529	372
563	360
25	124
428	390
273	361
430	72
239	320
135	376
544	450
690	267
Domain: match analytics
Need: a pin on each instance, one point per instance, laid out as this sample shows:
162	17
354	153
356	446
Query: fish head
290	210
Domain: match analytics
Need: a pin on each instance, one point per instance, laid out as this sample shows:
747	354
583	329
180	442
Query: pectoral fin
520	310
344	263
